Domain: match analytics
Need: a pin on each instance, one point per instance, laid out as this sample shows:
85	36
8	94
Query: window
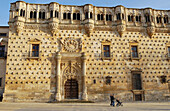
0	82
51	14
136	82
41	15
35	50
56	14
130	18
22	12
138	18
2	51
147	18
118	16
166	19
108	17
76	16
169	51
86	15
134	51
33	14
66	15
158	19
100	17
91	15
106	50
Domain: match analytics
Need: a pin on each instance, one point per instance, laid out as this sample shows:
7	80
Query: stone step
71	101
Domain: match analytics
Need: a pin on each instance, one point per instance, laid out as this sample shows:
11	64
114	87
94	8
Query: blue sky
156	4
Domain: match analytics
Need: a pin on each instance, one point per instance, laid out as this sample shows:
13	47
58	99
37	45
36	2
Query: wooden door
71	89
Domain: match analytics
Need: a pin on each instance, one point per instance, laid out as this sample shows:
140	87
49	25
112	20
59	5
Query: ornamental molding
71	44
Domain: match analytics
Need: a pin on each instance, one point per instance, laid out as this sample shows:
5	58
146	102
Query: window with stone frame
66	15
100	17
108	17
106	50
136	81
76	16
35	50
147	18
51	14
138	18
166	19
2	51
56	14
130	18
134	51
158	19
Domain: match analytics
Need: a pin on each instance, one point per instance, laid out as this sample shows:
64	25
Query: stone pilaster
84	90
58	93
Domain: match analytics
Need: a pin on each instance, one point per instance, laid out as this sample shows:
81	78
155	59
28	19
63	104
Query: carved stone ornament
151	30
19	26
121	29
71	44
89	28
53	27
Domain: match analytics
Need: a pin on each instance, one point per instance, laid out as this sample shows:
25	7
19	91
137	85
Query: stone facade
59	52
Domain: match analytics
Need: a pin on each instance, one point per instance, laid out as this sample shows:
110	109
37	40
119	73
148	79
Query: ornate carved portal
71	80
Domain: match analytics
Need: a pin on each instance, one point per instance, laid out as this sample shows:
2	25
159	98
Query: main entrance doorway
71	89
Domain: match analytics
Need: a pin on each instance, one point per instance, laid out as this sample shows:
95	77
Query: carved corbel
121	29
89	26
151	30
19	26
53	28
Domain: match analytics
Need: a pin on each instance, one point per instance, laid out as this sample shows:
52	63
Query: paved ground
163	106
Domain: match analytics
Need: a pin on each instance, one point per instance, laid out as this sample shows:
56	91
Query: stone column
84	90
58	93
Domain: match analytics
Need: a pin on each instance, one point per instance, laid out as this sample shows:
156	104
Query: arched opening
71	89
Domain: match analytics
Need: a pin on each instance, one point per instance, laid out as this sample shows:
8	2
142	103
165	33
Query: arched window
122	16
130	18
35	14
91	15
165	19
86	15
78	16
51	14
43	16
40	16
108	17
118	16
147	17
24	13
56	14
100	17
66	15
21	12
74	16
158	19
138	18
31	14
